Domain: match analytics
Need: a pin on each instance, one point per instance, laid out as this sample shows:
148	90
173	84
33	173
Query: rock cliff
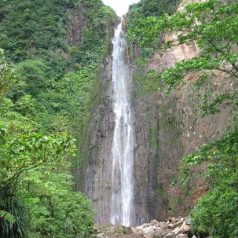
98	145
169	126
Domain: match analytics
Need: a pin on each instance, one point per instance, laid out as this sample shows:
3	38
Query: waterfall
122	210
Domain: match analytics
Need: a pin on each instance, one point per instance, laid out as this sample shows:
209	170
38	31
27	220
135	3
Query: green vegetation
216	212
139	14
48	85
212	25
36	188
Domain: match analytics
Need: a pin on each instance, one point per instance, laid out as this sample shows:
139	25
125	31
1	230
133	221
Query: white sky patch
120	6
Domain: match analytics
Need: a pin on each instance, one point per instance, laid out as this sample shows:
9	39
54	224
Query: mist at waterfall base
122	210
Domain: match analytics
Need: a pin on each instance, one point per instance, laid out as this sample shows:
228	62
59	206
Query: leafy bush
36	196
56	84
34	183
33	77
30	28
216	212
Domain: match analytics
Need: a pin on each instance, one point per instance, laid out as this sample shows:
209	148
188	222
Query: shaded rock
179	222
110	231
171	226
129	236
102	235
173	219
148	231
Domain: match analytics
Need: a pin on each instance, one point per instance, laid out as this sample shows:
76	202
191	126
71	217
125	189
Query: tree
212	25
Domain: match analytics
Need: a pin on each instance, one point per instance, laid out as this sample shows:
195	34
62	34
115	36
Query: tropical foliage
139	31
48	84
212	27
36	188
216	212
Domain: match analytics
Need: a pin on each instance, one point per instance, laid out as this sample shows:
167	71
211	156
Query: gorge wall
171	125
98	147
167	127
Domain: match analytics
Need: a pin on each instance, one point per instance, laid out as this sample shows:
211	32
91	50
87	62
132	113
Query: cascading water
122	210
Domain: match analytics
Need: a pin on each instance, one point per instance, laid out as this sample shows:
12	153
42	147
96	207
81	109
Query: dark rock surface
167	127
98	147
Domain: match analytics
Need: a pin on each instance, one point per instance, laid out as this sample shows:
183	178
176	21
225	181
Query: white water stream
122	210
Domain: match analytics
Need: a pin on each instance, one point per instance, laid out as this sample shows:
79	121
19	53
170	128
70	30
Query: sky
120	6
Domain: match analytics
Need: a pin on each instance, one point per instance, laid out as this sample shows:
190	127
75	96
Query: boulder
101	235
149	232
185	228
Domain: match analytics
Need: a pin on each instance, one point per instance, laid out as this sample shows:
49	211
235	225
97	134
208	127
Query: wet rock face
98	147
170	126
145	153
167	127
182	130
98	151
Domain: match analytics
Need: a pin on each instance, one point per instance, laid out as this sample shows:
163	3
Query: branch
228	72
22	170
